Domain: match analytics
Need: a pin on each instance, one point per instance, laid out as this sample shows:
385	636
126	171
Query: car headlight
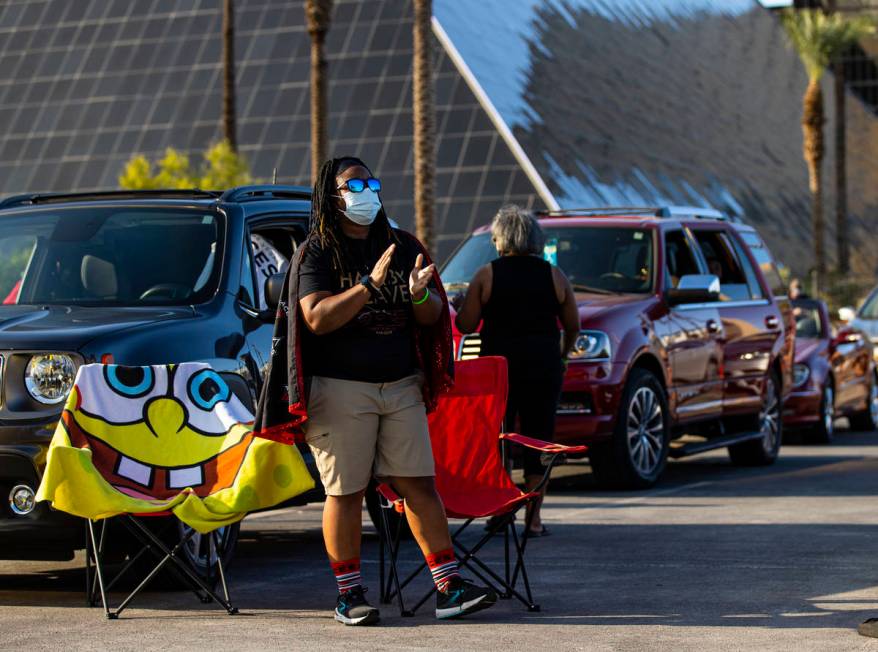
801	373
49	377
591	345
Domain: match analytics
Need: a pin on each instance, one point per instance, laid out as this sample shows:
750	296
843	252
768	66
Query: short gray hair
516	231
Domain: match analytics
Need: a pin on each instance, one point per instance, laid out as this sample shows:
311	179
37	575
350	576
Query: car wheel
638	453
763	451
202	551
868	419
824	431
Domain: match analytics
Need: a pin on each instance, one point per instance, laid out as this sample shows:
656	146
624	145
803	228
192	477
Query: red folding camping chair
473	482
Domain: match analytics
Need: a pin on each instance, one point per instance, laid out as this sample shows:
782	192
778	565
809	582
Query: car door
270	244
751	322
851	360
689	334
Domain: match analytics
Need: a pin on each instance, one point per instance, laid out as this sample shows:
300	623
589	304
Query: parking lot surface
715	557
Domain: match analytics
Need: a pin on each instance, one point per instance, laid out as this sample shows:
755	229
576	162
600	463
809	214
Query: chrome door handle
771	321
712	326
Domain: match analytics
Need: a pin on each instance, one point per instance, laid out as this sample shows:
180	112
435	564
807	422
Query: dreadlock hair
326	217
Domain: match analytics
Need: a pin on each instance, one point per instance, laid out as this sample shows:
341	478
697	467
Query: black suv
134	278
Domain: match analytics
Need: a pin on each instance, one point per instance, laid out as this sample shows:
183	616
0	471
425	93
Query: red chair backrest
464	430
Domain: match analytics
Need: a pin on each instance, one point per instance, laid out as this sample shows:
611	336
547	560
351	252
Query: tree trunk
229	127
841	190
812	130
424	123
317	14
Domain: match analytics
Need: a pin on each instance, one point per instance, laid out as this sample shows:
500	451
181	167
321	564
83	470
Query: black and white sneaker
353	609
462	597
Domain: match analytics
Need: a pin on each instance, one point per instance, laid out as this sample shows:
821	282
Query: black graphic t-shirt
376	346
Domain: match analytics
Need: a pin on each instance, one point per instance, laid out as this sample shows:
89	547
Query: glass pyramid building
540	102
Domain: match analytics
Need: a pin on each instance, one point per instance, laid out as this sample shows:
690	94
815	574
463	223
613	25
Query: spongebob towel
172	437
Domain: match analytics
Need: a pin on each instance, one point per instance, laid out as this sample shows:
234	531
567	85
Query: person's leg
424	511
342	535
537	416
341	433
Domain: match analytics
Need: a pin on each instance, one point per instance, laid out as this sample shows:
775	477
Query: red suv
686	341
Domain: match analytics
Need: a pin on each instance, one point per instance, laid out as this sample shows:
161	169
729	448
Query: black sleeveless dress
520	322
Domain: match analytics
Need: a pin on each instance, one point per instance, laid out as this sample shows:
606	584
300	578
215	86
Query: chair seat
489	503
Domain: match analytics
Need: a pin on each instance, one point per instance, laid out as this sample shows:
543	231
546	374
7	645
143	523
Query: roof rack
253	193
600	210
54	198
696	212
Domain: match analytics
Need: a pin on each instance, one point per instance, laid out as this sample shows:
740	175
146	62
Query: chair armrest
393	498
540	445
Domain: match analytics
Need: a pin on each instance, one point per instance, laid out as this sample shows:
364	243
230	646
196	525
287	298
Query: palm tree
818	39
229	128
423	105
318	14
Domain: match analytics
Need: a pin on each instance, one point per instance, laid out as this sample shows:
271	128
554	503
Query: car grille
470	347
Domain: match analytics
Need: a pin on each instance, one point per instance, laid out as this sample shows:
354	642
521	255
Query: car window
271	250
723	263
679	258
870	308
110	256
765	260
595	259
749	272
808	322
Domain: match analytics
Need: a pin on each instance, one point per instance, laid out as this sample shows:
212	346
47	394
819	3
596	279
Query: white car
866	318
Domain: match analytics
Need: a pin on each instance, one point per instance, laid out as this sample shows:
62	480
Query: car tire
763	451
824	431
638	452
201	552
867	420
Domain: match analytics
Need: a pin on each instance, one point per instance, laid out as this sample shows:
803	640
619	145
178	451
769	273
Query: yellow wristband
425	297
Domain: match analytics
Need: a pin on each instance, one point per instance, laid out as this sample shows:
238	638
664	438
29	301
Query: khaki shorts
360	430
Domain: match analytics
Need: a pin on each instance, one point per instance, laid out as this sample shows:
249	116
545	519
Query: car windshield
109	256
807	321
604	260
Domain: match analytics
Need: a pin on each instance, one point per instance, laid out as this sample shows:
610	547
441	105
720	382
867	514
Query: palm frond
818	38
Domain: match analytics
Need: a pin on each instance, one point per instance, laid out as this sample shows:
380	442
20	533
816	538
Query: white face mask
361	207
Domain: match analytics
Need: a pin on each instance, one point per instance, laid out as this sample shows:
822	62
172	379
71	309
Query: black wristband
366	282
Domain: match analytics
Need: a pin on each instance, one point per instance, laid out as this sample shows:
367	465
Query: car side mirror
846	314
694	288
274	285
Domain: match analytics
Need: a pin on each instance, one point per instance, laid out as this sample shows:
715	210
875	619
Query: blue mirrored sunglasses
359	185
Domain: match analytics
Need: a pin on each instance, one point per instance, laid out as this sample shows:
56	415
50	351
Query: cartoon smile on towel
155	431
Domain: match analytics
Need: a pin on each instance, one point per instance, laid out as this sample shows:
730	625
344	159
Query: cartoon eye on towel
156	430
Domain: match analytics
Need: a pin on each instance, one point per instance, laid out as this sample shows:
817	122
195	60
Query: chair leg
171	555
219	565
531	605
158	554
98	570
393	550
469	560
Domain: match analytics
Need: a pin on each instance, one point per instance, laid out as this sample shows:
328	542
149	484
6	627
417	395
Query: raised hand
379	272
419	278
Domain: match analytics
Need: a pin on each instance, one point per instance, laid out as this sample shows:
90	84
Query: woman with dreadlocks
369	349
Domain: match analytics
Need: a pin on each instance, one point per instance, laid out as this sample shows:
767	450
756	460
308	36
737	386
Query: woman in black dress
520	298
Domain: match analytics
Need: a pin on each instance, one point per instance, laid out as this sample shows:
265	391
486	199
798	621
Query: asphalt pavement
714	558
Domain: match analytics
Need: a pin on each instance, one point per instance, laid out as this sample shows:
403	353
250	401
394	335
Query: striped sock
347	574
443	566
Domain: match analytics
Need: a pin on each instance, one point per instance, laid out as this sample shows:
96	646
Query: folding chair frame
96	588
389	542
